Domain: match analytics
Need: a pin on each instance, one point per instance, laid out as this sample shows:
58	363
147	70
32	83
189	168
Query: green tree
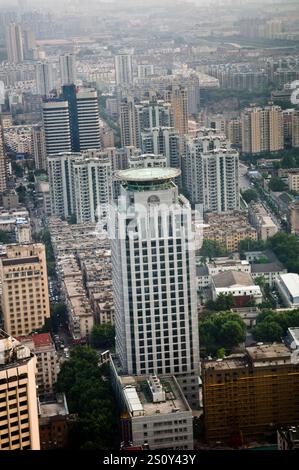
103	336
90	396
267	331
4	237
250	195
222	330
276	184
211	249
21	191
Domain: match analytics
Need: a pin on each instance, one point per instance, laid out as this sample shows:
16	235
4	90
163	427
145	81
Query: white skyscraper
154	277
88	119
44	78
123	69
80	184
57	126
211	171
14	43
67	69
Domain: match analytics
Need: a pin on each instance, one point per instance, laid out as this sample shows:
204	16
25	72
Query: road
244	180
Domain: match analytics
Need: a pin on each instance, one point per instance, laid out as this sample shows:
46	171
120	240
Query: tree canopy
276	184
222	330
272	326
250	195
222	303
211	249
103	336
90	396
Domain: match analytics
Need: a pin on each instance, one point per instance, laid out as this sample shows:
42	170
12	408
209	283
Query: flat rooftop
229	363
291	282
266	352
148	174
55	407
139	393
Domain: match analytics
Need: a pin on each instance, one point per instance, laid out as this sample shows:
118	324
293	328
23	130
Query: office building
80	184
14	43
56	124
248	396
44	78
25	297
262	129
154	411
124	69
154	279
18	411
88	119
68	73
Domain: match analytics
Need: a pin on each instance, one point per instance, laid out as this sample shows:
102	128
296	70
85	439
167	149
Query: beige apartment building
177	96
293	179
25	296
262	129
47	361
19	428
229	229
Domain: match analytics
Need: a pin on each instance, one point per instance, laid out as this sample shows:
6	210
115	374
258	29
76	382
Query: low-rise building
239	284
155	411
218	265
54	423
247	396
261	221
288	288
47	361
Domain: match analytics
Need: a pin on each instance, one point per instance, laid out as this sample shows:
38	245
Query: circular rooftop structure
148	175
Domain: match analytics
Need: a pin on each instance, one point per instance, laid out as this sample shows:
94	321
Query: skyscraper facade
68	72
154	278
80	183
177	96
25	296
262	129
56	124
44	78
211	171
124	69
18	412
